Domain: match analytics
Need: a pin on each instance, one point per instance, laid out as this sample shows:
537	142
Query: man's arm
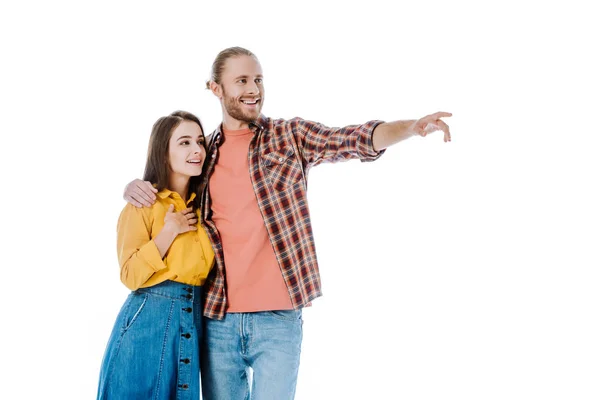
319	143
390	133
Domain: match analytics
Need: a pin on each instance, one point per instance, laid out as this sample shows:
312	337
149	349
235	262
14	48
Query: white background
465	270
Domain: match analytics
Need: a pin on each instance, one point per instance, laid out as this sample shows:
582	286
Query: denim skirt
153	350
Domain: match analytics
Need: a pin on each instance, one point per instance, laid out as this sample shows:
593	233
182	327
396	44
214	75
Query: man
255	211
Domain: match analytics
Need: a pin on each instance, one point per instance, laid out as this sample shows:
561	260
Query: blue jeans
267	343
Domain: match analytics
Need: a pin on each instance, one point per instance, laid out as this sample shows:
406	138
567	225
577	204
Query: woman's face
186	149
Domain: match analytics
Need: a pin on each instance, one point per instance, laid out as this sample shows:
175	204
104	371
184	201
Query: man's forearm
390	133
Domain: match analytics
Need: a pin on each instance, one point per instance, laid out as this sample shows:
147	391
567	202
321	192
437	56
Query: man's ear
216	89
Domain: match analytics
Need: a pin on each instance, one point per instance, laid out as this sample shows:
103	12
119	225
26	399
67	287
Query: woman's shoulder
148	214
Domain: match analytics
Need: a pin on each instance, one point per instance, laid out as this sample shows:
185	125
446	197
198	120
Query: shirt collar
163	194
258	125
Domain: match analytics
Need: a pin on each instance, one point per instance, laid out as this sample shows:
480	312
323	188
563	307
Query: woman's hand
181	221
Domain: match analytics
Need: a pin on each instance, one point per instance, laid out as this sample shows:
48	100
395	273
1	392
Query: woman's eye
185	143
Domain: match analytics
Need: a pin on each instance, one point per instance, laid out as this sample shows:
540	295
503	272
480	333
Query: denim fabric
153	350
252	356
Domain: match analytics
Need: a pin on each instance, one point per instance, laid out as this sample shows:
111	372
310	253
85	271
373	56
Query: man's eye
258	80
242	81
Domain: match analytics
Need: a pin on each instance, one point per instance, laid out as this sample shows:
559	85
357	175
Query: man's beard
234	109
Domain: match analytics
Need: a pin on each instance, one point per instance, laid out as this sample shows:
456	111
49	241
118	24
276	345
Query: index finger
440	114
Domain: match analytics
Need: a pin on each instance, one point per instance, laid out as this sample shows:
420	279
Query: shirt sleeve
139	257
320	143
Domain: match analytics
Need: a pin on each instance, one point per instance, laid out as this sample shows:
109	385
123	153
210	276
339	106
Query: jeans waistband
175	290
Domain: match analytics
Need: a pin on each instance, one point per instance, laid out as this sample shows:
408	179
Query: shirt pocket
282	168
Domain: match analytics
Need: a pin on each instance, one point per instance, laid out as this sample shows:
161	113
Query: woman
153	351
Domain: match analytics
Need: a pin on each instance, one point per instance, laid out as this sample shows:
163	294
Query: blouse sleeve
139	257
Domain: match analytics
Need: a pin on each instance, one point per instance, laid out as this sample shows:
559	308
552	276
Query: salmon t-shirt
254	279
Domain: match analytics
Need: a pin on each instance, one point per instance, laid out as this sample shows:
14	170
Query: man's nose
252	88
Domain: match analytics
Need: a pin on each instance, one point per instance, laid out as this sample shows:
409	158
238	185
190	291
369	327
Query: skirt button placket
185	347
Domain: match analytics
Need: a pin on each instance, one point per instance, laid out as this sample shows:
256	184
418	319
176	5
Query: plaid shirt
280	154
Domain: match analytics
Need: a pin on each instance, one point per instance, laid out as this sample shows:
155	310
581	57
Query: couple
231	241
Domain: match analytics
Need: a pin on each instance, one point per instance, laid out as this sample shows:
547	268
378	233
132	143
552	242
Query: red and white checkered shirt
280	155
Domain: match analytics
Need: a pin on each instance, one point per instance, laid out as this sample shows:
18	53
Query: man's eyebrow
246	76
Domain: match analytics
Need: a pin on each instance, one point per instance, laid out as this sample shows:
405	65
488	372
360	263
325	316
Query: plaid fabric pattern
280	155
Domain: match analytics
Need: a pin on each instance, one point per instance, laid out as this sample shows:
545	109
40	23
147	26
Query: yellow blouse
188	260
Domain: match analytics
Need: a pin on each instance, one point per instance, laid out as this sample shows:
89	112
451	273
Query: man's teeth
249	101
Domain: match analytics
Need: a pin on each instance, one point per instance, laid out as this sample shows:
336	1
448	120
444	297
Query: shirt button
188	310
280	159
187	335
186	361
